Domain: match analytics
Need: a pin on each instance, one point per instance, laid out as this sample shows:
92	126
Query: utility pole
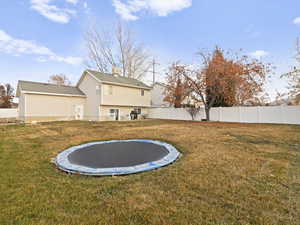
154	63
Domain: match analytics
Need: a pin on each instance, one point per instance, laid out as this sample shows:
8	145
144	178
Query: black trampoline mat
118	154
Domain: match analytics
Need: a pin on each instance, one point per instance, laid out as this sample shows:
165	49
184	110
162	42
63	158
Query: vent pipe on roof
116	71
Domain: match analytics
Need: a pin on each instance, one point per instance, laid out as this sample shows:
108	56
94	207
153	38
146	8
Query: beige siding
93	96
22	107
123	111
125	96
50	107
99	99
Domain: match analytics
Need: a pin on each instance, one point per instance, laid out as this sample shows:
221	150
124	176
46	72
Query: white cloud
128	9
85	5
72	1
259	54
17	47
297	20
163	8
69	60
86	8
4	36
52	12
125	11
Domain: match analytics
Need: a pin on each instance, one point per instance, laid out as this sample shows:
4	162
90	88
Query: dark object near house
116	157
134	115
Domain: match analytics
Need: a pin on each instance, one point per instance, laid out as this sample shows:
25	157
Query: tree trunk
207	113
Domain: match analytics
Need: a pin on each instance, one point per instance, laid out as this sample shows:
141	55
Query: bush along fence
261	114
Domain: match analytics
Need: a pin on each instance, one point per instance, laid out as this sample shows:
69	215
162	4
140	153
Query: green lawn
228	174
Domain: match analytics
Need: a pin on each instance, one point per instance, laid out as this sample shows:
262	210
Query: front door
78	112
117	114
114	114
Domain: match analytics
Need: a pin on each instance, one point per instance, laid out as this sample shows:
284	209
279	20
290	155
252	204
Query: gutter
55	94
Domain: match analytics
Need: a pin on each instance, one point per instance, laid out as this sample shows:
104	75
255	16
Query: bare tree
117	48
293	84
294	79
100	49
298	50
193	111
59	79
6	95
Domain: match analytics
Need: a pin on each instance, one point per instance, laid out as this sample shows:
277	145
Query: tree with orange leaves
59	79
177	88
236	80
6	95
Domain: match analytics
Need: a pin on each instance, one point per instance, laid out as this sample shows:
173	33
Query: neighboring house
97	96
157	95
157	98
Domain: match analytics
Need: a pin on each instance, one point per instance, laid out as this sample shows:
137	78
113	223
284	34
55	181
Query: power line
154	63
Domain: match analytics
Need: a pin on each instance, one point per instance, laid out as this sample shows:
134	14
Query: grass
229	174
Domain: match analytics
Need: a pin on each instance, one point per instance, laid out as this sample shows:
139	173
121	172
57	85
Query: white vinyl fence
173	114
266	114
8	113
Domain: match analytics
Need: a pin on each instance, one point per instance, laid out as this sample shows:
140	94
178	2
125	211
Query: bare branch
119	48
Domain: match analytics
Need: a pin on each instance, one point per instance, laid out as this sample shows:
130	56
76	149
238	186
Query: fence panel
8	113
249	114
214	114
173	114
266	114
291	115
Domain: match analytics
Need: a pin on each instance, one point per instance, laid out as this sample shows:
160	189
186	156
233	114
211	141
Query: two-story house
157	95
97	96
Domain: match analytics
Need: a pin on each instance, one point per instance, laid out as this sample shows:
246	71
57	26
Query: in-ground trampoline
117	157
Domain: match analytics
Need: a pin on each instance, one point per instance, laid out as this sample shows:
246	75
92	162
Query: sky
39	38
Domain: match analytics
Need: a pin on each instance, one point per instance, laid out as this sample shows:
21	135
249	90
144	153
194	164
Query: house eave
126	85
120	105
54	94
113	83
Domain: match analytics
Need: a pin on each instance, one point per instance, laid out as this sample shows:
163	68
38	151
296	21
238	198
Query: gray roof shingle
49	88
105	77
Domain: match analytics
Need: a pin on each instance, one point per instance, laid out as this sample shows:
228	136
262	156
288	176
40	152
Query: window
98	90
114	114
108	90
142	92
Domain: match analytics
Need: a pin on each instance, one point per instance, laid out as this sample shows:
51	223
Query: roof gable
46	88
117	79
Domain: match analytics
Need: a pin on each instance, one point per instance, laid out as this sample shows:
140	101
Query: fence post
258	114
239	110
282	114
220	114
